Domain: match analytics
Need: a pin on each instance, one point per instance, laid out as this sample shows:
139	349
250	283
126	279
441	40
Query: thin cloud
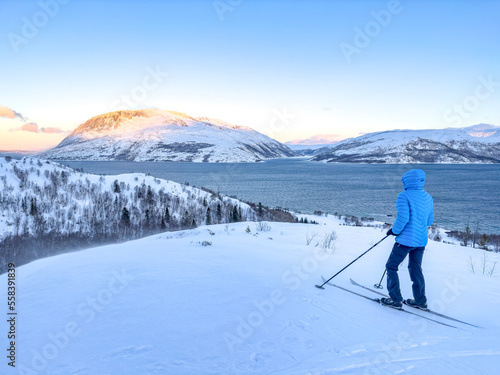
52	130
10	113
33	127
30	127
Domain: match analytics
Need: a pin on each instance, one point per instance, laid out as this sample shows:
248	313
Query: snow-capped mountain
313	145
158	135
316	141
17	154
474	144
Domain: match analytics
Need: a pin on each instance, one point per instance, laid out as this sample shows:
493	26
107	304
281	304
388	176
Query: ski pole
321	286
379	285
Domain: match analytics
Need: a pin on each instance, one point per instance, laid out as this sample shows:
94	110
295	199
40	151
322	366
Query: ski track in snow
182	298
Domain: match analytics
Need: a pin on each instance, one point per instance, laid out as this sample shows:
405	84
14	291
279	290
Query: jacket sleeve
430	219
403	215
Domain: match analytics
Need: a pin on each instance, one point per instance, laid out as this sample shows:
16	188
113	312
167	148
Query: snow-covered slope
158	135
474	144
47	208
246	304
64	201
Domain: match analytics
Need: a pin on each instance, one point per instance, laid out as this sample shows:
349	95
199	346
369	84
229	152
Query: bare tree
310	237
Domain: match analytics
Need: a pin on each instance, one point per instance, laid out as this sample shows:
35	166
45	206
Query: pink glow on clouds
7	112
30	127
34	128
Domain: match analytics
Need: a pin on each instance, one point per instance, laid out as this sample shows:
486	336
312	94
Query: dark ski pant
398	254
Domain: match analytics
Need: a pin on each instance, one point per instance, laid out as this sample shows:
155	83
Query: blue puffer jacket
415	210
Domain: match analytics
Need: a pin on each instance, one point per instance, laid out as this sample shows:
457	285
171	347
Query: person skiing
414	214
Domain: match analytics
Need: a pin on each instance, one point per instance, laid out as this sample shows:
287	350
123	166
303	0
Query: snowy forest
47	208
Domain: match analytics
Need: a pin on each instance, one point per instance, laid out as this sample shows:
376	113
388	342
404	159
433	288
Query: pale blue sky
277	66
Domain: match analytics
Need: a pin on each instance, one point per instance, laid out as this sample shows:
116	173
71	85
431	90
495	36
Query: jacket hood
414	179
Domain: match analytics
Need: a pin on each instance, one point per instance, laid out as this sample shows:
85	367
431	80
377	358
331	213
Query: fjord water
460	191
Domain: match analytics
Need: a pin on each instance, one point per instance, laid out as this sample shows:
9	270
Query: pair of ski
405	311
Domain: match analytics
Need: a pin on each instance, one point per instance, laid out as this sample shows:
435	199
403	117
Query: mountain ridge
160	135
474	144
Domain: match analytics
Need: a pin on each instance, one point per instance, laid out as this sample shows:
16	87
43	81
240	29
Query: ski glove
391	233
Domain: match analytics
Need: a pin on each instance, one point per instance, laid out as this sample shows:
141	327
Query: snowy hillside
475	144
63	200
157	135
246	304
45	206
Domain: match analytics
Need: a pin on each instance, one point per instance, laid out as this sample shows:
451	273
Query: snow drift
246	303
